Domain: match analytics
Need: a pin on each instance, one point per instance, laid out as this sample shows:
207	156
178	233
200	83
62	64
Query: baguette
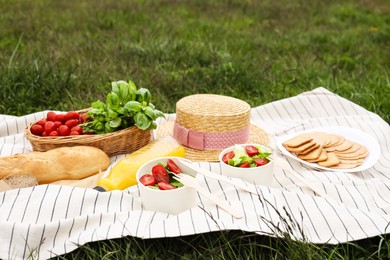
64	163
16	181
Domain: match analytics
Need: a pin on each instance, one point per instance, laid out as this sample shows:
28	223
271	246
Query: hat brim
256	136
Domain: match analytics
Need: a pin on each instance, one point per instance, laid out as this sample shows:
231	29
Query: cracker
312	155
331	142
323	156
346	161
331	161
362	150
297	141
344	146
353	148
340	147
310	149
323	139
328	140
344	166
301	148
348	158
362	156
334	140
361	153
318	137
328	150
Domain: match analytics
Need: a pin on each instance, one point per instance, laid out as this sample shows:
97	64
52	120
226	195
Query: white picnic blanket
50	220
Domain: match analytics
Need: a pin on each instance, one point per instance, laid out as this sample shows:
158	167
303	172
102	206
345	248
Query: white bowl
167	201
261	175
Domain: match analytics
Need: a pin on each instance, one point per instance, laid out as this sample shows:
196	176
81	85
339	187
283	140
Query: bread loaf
65	163
20	180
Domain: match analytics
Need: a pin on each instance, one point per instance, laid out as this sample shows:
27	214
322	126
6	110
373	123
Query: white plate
352	134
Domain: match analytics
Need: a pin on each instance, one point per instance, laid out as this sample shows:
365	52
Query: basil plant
125	106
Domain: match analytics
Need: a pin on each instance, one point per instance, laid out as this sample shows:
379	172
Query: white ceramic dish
352	134
167	201
262	175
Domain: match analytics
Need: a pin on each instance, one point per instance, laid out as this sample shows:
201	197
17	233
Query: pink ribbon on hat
209	141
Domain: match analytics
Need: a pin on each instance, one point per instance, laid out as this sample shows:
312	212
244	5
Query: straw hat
206	124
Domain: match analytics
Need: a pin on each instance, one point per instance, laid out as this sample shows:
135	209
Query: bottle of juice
123	173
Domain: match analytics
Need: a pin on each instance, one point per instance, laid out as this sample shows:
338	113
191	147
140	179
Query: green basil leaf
96	113
98	125
124	92
87	127
91	113
150	113
116	122
101	117
148	96
132	86
133	106
112	114
144	105
122	110
115	86
113	100
159	113
98	105
125	124
126	105
152	126
142	121
133	95
143	95
108	128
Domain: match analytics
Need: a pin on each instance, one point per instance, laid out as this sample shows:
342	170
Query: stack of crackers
328	150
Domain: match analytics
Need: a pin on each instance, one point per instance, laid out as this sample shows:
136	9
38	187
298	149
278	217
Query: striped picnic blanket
49	220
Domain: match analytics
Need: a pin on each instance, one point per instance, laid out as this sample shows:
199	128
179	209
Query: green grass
227	245
63	55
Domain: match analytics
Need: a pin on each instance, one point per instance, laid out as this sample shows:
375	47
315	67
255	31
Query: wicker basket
119	142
